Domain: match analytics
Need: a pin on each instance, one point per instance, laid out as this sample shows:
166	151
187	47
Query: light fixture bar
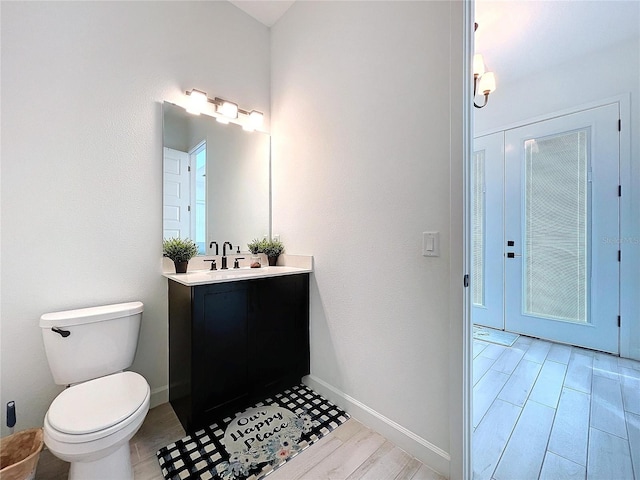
225	109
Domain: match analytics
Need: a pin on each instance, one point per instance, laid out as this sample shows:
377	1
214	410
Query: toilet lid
98	404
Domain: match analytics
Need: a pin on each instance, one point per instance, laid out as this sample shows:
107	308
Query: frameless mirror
215	181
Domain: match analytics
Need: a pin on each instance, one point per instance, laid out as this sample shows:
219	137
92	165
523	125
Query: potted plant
180	251
256	247
273	248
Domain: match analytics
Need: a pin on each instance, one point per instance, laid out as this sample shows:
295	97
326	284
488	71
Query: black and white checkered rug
254	442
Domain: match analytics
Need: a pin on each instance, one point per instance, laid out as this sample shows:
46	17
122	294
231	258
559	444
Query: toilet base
116	465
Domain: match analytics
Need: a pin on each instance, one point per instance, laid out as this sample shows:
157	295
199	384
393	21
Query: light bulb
228	109
478	65
487	83
197	102
256	118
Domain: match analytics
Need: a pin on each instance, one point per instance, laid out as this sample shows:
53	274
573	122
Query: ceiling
518	38
267	12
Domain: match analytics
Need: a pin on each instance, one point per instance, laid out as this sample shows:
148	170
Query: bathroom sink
202	277
243	271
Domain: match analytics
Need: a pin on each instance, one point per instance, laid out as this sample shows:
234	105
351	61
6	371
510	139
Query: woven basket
19	454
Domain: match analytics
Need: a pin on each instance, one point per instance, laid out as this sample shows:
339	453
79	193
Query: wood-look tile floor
548	411
352	451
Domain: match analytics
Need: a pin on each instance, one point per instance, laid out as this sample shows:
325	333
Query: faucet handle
236	264
213	263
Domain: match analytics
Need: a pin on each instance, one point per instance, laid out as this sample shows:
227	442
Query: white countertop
204	277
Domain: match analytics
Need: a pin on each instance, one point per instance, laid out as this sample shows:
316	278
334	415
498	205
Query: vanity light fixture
225	109
483	82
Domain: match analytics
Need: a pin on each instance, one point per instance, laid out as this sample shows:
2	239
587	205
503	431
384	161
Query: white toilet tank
91	342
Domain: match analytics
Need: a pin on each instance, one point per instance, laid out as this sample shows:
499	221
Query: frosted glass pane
555	227
478	230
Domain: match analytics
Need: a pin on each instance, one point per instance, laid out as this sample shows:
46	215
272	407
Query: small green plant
178	249
257	246
273	248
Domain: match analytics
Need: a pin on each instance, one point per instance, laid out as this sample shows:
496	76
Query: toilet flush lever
64	333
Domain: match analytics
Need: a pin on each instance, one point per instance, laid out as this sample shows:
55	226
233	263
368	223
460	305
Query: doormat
494	336
256	441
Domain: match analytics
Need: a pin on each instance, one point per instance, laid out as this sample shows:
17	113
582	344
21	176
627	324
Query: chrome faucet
224	254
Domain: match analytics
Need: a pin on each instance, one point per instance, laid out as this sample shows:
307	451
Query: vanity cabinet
232	343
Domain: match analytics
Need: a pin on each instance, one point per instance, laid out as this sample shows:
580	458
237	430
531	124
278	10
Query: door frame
624	100
461	47
193	153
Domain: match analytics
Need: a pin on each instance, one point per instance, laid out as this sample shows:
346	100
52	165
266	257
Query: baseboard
429	454
159	396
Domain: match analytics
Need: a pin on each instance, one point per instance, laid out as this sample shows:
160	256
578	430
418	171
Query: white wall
361	113
82	88
612	72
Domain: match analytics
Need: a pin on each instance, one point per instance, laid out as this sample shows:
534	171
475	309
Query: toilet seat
97	408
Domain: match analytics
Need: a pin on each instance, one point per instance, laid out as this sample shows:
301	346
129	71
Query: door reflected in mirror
215	181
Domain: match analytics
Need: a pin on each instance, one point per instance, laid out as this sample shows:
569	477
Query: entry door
487	197
176	194
561	203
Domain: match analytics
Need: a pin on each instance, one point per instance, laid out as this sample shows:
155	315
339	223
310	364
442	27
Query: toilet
91	422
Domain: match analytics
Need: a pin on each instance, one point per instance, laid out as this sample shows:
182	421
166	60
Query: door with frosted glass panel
487	192
561	204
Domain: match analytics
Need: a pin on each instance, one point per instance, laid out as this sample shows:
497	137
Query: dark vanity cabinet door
180	313
230	344
220	329
279	331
